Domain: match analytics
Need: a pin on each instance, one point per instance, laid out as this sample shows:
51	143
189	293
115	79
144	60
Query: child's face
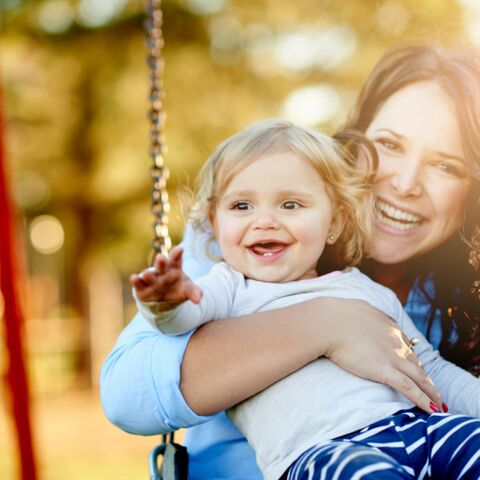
274	218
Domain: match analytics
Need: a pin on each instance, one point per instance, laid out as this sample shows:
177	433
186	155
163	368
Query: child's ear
336	226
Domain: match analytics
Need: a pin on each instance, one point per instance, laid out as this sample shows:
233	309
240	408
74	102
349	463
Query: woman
440	269
419	107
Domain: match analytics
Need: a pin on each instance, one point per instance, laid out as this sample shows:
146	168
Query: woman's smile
395	218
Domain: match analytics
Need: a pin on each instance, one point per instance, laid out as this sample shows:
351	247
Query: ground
75	441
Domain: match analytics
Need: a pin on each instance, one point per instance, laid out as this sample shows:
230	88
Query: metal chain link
158	171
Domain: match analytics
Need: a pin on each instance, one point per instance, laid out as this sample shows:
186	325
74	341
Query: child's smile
273	219
268	250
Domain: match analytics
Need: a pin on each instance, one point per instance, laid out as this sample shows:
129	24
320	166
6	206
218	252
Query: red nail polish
433	407
445	407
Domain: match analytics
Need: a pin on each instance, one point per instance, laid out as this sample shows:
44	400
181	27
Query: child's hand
166	281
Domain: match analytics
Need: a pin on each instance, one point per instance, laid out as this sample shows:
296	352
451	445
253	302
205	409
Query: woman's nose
406	179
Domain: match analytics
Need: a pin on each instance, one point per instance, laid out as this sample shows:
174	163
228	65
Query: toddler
285	204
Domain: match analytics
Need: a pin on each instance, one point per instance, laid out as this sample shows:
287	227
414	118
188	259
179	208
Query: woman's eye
241	206
291	205
388	144
451	169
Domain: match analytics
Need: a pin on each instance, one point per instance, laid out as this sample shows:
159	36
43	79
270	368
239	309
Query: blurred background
74	89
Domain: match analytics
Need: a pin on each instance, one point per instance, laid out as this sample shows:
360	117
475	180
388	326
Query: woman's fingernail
445	407
433	407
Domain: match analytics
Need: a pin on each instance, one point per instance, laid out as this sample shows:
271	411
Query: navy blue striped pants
410	444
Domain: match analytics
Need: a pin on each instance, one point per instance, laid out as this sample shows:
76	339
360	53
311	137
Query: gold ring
412	342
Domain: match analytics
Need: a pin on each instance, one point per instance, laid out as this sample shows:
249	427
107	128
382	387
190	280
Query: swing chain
158	171
175	458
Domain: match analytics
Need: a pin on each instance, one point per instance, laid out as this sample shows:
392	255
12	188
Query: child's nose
266	220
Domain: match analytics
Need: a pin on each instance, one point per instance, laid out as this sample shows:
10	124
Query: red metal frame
16	375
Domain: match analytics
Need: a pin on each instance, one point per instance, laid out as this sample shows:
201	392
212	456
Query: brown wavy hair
457	71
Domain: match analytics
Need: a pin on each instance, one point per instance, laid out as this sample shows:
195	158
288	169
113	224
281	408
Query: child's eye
241	206
291	205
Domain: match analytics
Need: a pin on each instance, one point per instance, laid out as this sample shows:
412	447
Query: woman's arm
459	389
139	381
150	384
230	360
150	380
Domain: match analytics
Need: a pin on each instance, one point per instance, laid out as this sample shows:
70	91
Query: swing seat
175	461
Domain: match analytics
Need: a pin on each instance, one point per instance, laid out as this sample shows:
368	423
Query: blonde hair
348	189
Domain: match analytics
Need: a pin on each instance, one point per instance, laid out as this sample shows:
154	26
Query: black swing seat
175	460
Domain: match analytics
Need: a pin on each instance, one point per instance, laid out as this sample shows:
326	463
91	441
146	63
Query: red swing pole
16	376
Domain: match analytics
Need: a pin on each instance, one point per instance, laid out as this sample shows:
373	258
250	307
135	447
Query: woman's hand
371	345
228	361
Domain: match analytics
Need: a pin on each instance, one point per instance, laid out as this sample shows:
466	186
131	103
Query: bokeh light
47	234
226	40
471	15
31	190
393	17
473	4
335	45
309	48
95	13
205	7
313	105
296	50
56	16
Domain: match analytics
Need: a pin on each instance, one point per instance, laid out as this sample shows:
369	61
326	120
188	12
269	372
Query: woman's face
422	181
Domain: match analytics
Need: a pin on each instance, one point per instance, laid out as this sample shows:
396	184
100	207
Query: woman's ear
336	226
